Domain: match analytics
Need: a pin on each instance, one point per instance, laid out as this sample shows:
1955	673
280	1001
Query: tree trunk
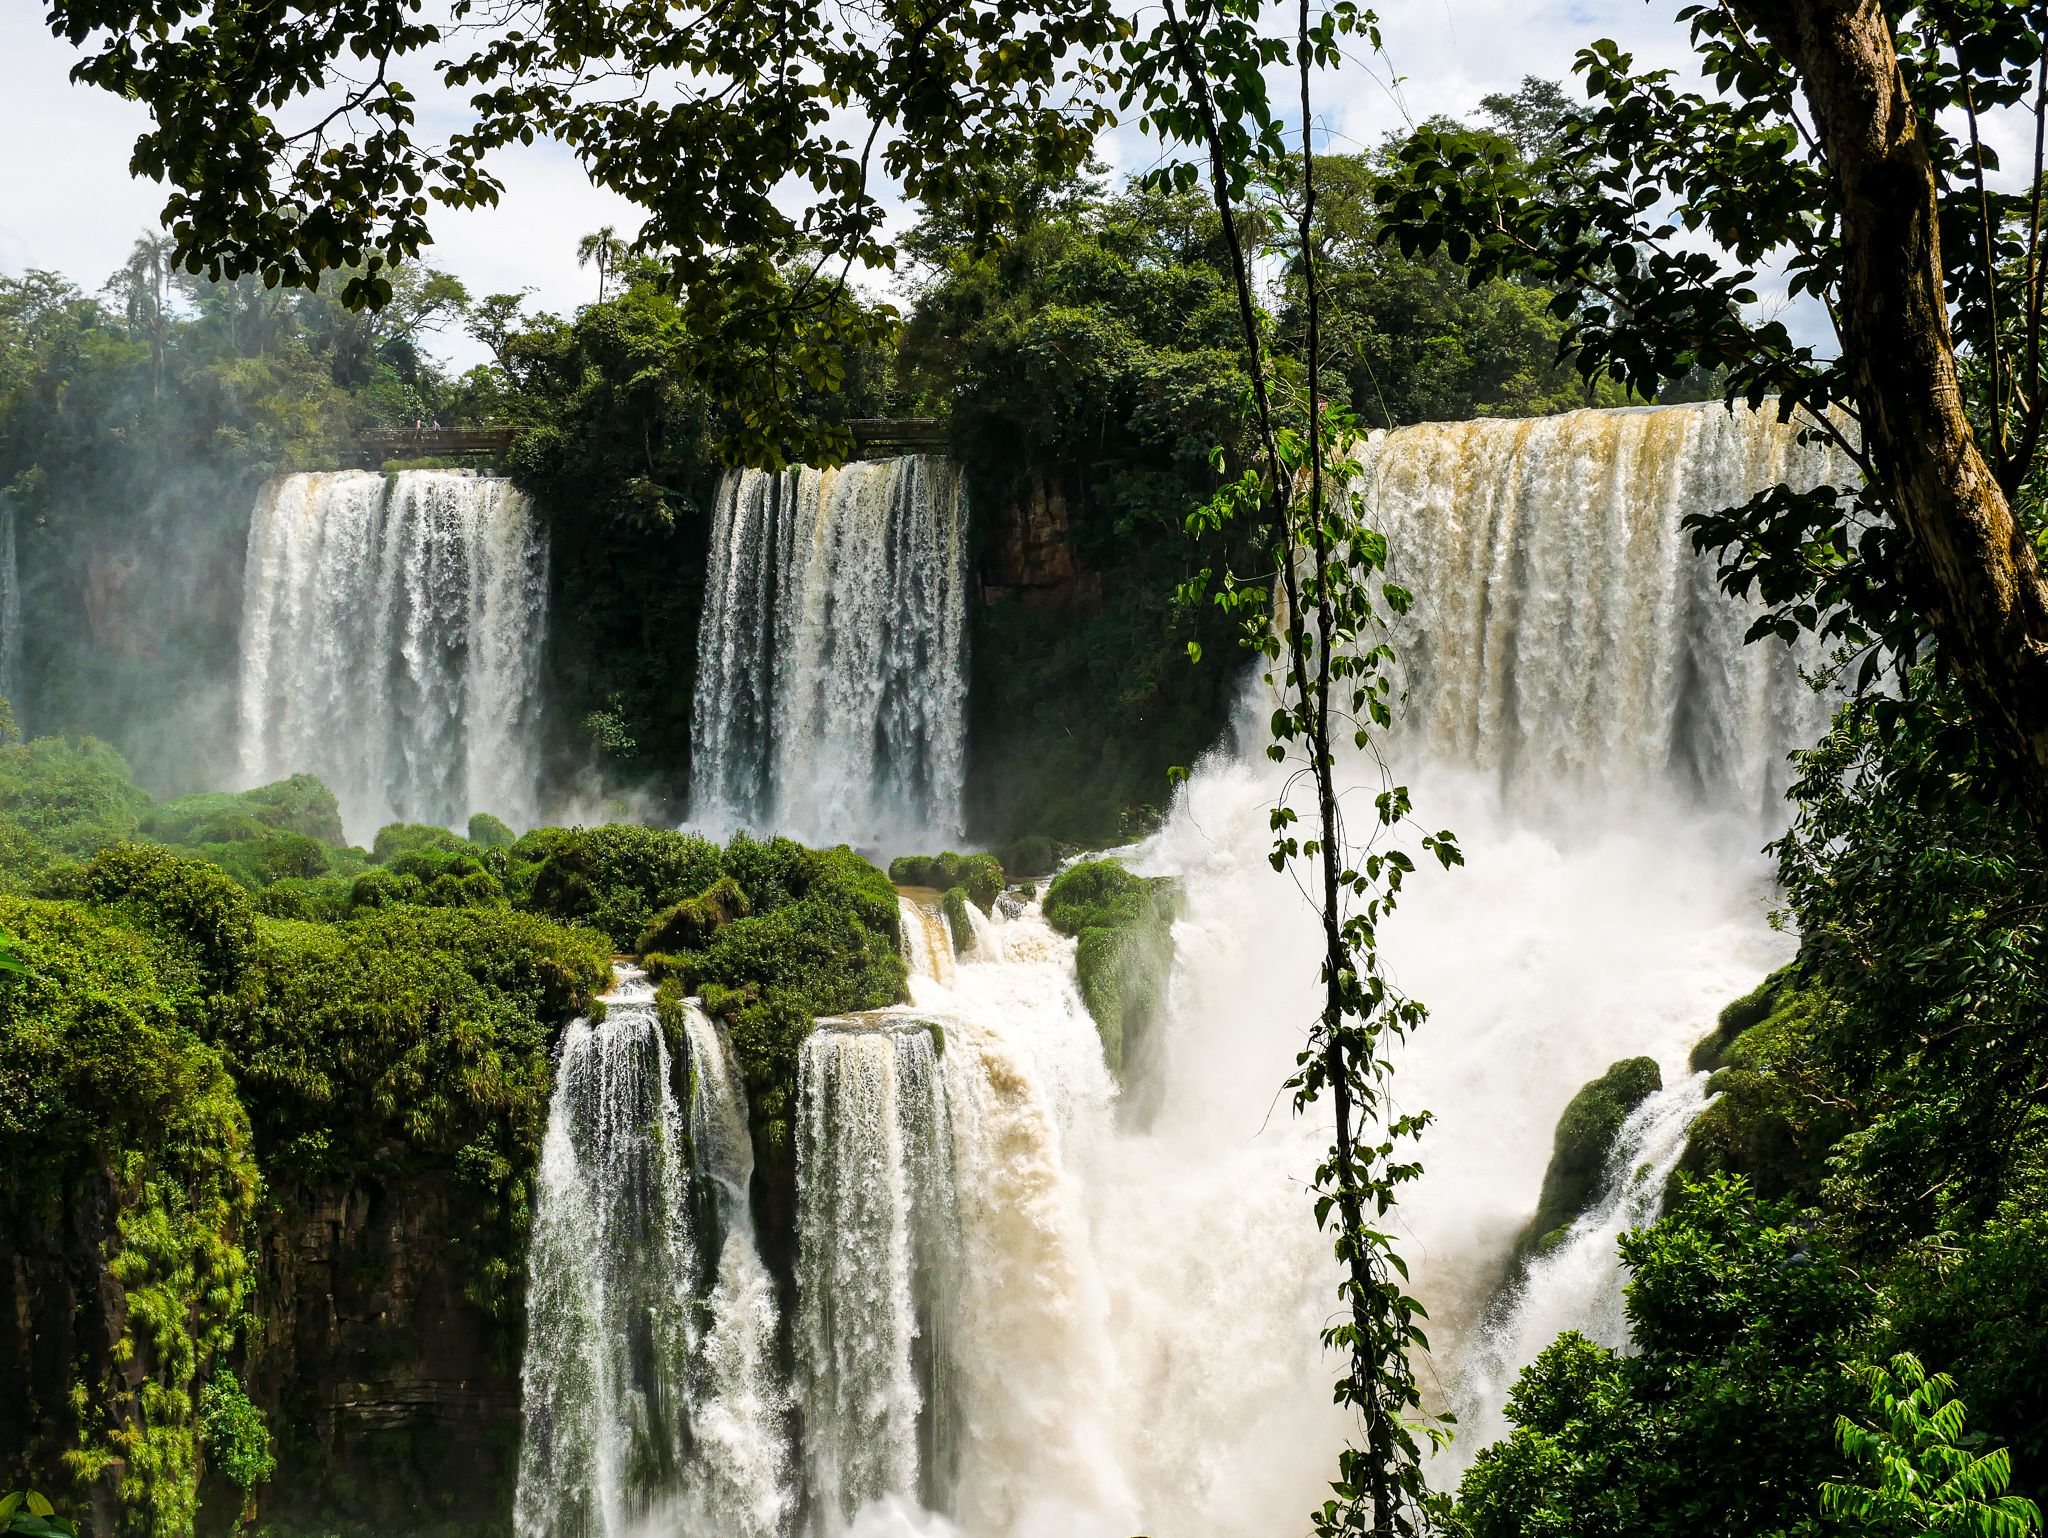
1971	570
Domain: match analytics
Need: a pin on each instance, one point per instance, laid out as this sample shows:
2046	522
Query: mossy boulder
954	905
1744	1014
1101	894
690	924
979	875
1576	1177
1758	1124
1124	958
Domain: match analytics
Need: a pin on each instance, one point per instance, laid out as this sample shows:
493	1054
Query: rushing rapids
391	642
1018	1314
832	683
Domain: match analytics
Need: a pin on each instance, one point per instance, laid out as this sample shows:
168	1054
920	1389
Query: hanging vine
1316	612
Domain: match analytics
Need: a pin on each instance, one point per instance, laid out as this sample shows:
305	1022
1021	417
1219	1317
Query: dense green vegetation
197	1043
1870	1178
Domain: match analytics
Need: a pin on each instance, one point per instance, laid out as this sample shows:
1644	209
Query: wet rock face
58	1306
1032	552
393	1397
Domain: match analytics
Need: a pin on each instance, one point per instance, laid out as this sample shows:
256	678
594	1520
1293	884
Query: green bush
236	1438
75	798
488	831
191	899
1574	1180
302	805
402	838
616	878
1720	1418
690	924
23	858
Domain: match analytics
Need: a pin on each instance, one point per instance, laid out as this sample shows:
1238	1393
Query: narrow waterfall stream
1019	1315
644	1411
391	644
832	679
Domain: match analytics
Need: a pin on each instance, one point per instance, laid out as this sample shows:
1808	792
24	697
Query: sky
67	202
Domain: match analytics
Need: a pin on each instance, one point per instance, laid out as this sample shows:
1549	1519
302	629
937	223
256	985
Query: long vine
1329	662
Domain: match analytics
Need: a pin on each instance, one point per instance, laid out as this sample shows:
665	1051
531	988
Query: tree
1917	1477
1845	146
606	250
286	160
144	287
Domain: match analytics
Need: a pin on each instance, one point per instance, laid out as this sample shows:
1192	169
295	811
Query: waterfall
875	1269
742	1488
832	655
10	615
1020	1314
1565	639
1578	1285
391	644
638	1416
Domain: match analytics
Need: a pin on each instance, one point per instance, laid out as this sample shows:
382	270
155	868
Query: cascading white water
1565	637
875	1271
391	644
611	1270
1578	1285
832	655
1130	1342
742	1489
639	1417
10	614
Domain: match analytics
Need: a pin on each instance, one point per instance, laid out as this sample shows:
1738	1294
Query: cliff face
393	1397
1030	550
58	1307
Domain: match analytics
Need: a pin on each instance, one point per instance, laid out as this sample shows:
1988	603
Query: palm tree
607	250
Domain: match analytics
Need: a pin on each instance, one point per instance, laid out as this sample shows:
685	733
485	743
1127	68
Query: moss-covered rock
1744	1014
1758	1124
953	903
1575	1178
1124	956
979	875
690	924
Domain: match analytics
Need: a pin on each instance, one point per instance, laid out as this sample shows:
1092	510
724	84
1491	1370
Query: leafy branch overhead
289	139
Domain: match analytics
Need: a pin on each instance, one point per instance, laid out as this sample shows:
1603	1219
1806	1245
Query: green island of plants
204	1049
